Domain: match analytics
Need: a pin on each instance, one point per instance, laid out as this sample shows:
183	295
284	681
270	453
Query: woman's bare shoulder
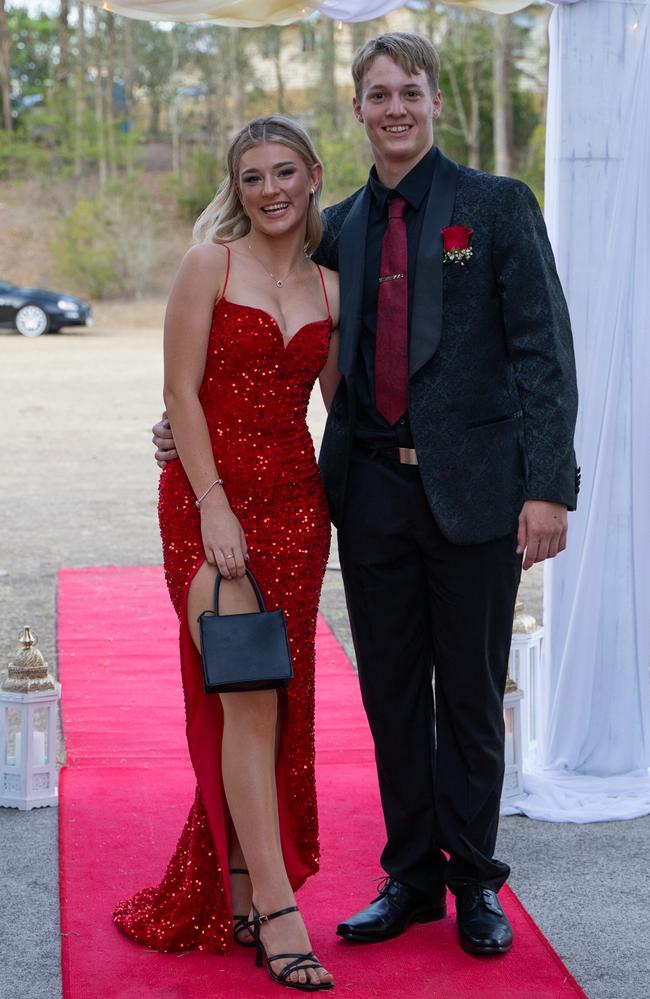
207	255
205	263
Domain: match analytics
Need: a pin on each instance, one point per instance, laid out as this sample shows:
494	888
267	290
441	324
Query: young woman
249	328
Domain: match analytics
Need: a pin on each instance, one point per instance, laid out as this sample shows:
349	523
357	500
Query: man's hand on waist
163	438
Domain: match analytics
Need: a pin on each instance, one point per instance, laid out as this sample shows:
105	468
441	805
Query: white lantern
513	778
524	669
29	698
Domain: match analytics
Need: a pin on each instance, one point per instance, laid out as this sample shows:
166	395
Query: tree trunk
469	118
240	69
5	70
328	106
279	78
129	76
474	132
80	89
63	71
545	13
174	118
501	95
99	101
155	109
109	111
431	18
359	35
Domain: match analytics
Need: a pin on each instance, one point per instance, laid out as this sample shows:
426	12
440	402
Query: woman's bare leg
248	766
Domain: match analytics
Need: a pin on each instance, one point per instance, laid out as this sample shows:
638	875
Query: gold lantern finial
28	638
29	674
523	624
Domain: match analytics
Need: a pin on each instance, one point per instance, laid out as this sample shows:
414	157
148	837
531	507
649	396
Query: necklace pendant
279	284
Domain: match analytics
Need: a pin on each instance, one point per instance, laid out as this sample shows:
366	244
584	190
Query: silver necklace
279	282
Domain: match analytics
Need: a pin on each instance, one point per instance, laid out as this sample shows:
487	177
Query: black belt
404	455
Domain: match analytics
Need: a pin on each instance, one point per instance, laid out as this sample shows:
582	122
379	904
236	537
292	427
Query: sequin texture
255	393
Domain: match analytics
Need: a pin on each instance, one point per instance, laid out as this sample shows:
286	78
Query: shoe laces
384	886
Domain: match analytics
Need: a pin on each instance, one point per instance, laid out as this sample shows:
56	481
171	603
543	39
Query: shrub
346	161
106	245
202	176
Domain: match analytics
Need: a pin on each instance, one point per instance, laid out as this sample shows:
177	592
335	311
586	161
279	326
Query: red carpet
125	795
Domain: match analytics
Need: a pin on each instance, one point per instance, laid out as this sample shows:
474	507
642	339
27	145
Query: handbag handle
254	584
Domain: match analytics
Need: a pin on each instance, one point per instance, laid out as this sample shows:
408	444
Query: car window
7	286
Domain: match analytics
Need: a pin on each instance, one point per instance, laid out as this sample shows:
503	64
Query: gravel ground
79	488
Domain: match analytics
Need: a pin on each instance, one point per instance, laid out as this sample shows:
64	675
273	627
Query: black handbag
244	651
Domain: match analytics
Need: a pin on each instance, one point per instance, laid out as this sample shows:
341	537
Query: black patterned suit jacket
492	390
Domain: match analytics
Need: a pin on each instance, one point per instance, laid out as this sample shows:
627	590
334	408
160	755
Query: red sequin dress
255	393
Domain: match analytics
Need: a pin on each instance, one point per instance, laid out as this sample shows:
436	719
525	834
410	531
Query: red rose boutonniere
456	241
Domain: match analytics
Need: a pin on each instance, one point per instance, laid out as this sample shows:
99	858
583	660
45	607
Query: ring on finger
231	556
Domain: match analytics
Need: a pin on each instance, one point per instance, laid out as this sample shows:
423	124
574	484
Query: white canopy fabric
596	726
255	13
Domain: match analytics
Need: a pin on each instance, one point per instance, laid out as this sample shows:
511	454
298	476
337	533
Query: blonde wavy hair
224	219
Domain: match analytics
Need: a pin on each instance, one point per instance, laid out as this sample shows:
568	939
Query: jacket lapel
352	253
426	310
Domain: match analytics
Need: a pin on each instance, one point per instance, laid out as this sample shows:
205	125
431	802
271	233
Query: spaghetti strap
225	284
322	281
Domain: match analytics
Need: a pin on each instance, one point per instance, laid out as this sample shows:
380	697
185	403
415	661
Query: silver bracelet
197	502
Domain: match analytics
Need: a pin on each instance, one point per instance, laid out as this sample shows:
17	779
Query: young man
447	455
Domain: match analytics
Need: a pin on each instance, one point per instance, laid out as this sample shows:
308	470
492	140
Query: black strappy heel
240	923
301	962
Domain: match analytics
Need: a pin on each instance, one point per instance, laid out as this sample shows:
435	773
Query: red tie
391	346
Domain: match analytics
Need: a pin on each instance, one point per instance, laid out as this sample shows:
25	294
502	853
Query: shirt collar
413	187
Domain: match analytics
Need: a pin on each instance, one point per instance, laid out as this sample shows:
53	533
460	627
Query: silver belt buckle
408	456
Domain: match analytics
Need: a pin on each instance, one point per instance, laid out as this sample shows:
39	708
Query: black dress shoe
482	924
393	911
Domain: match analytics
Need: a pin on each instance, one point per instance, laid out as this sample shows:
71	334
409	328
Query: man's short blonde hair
412	53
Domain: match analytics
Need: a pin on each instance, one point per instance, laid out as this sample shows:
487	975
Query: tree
63	68
80	88
327	101
502	94
99	99
272	48
5	70
153	60
109	107
467	66
33	48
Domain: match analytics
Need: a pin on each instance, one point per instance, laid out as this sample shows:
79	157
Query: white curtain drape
254	13
596	717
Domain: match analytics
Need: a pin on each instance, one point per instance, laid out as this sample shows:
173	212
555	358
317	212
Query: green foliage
33	49
106	245
83	252
196	189
47	141
346	160
532	169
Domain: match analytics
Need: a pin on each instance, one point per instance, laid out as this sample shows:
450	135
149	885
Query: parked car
33	311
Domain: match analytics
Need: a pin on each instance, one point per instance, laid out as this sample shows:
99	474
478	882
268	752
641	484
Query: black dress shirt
371	428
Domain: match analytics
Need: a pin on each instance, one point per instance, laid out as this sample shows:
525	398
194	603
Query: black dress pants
422	610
